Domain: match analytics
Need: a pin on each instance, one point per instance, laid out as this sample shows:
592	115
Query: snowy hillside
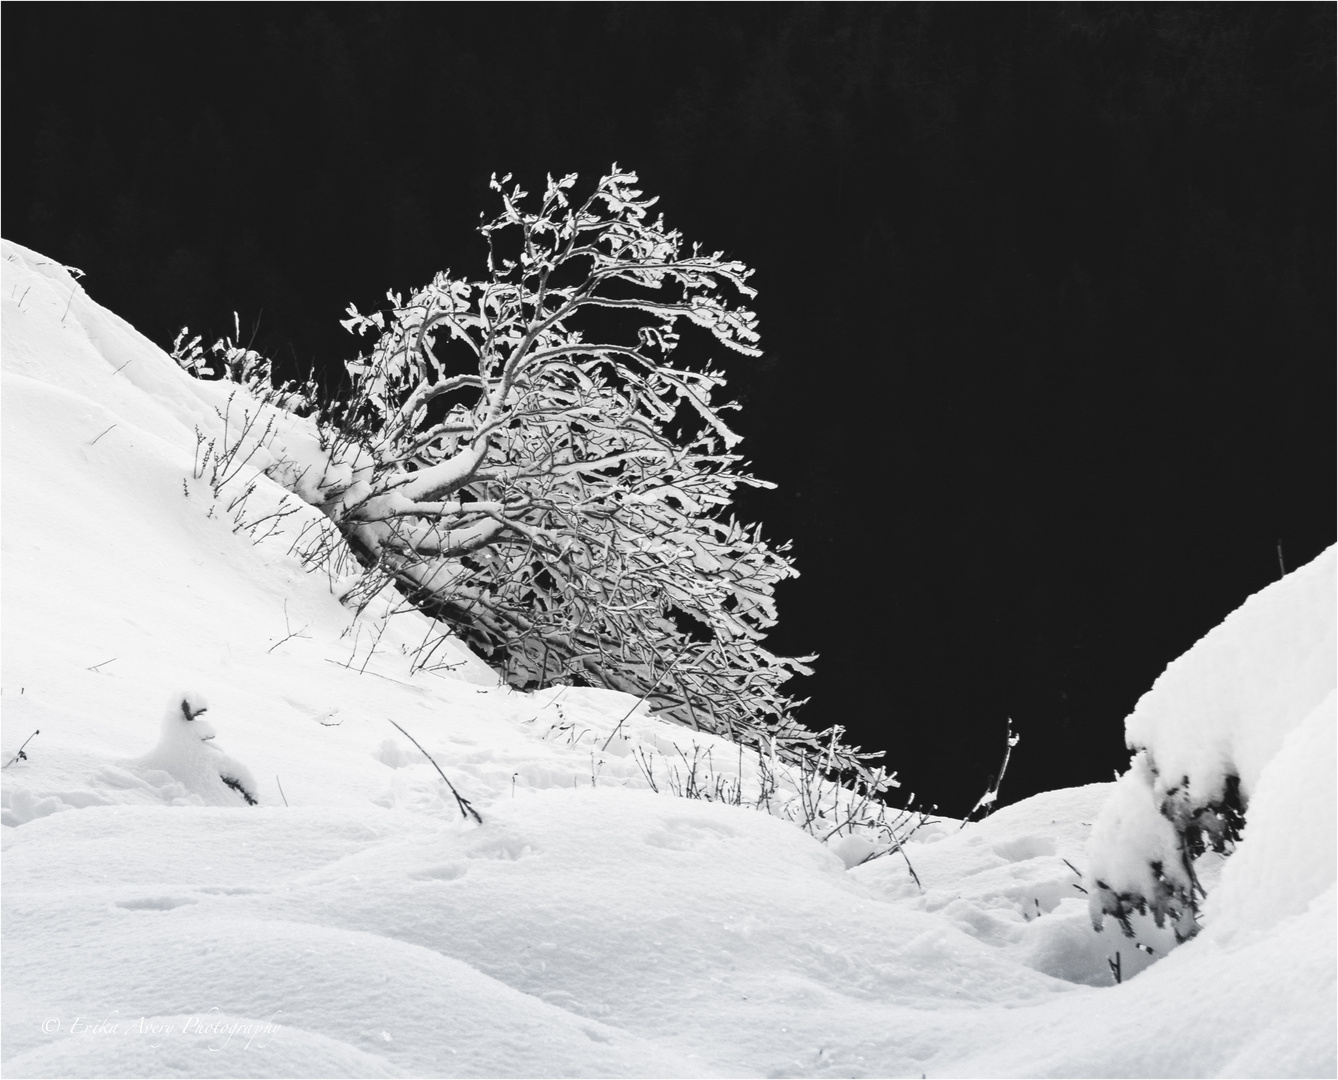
355	923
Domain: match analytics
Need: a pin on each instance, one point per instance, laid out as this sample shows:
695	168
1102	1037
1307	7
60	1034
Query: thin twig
901	848
641	701
287	626
372	651
281	794
103	664
991	796
94	442
328	712
466	808
21	756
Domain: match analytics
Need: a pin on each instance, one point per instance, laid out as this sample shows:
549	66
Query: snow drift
353	923
1244	721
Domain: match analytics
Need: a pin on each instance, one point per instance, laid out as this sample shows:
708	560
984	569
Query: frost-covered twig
991	795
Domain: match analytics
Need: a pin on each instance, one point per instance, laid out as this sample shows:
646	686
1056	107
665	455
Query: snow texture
354	923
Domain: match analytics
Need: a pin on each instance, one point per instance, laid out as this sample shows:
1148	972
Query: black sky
1047	291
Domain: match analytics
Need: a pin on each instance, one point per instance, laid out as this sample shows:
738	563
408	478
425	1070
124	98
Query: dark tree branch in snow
466	808
21	756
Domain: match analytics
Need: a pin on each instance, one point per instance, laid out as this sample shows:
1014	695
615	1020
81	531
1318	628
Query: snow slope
354	923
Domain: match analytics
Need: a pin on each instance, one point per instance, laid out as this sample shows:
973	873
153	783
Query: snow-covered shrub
226	358
848	813
522	457
1202	737
186	751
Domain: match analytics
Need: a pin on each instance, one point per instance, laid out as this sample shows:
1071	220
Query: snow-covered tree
526	459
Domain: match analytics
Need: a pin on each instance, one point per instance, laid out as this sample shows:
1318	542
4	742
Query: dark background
1047	291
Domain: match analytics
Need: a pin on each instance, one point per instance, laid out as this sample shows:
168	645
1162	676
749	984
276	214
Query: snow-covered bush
525	460
187	752
227	358
1202	737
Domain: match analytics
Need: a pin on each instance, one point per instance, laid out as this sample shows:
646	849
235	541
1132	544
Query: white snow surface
354	923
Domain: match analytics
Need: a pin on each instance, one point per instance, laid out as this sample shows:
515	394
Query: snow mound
1243	723
1227	705
188	755
354	923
